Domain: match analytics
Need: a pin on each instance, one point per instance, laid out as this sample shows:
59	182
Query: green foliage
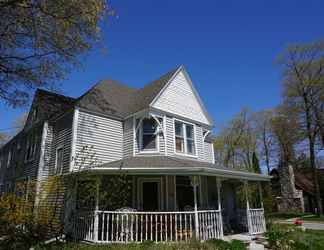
41	40
192	245
282	237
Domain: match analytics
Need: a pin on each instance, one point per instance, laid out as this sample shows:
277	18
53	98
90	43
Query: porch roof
167	165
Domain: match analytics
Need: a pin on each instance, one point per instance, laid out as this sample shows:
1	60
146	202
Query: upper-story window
59	160
184	138
30	147
148	135
9	159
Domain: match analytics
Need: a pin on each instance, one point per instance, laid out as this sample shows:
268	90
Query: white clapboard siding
103	138
208	152
179	98
128	139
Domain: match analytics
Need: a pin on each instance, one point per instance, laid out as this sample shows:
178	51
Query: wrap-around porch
169	208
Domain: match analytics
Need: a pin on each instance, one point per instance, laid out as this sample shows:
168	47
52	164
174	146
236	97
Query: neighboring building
297	194
160	137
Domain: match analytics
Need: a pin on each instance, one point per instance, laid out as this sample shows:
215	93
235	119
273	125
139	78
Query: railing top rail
256	209
158	212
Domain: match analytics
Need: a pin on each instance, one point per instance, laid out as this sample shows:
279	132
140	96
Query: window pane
59	160
190	147
189	131
149	142
179	144
178	129
149	126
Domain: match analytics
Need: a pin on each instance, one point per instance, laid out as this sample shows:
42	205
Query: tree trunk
315	176
266	151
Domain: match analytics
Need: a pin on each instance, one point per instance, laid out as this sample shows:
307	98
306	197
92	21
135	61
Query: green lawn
210	245
303	216
291	237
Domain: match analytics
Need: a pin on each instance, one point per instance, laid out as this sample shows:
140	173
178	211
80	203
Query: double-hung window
149	135
184	138
59	160
9	159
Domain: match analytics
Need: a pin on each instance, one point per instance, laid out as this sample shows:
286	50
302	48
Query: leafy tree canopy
41	40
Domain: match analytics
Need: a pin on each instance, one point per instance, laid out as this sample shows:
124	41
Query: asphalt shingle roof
114	98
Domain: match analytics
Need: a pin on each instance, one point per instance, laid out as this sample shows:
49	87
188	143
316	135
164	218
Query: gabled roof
117	99
49	104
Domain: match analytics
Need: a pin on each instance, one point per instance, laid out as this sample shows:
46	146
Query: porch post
248	215
219	186
96	218
260	193
262	207
194	183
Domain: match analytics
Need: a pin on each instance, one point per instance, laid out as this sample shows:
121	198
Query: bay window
184	138
149	135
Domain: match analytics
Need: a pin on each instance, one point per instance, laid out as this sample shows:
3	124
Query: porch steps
254	242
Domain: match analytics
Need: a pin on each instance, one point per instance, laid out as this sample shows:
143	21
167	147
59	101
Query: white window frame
31	143
185	153
9	158
56	154
157	141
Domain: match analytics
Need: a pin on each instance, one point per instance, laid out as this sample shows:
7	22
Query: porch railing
256	221
124	227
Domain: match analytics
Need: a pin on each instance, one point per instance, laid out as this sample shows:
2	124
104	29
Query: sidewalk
307	224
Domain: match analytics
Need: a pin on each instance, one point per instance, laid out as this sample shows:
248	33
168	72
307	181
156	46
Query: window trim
55	169
9	158
185	153
157	139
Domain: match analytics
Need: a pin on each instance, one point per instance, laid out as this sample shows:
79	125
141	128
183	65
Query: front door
150	196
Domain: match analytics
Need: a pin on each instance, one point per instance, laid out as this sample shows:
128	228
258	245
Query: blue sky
228	48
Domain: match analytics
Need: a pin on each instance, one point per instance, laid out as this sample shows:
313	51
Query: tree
41	40
265	139
236	143
303	94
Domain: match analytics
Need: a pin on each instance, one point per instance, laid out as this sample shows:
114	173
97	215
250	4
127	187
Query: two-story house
159	138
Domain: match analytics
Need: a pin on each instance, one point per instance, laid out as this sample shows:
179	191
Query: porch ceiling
167	165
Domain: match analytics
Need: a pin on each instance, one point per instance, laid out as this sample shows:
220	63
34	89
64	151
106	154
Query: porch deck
130	227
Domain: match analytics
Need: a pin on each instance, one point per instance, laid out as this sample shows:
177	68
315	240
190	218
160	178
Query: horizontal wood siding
128	139
170	135
179	98
208	152
200	143
99	140
62	136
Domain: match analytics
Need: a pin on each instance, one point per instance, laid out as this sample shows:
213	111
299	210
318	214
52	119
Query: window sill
148	152
186	155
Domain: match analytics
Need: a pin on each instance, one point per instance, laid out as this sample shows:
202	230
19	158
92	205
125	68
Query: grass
303	216
293	238
194	245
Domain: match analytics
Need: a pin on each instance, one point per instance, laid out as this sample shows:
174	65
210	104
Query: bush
282	237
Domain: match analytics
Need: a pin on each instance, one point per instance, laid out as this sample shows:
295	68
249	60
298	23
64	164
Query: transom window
184	138
149	135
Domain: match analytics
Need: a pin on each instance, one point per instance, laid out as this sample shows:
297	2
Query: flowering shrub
282	237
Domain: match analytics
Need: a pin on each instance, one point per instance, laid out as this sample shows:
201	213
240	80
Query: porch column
96	215
260	193
262	207
219	186
194	183
248	214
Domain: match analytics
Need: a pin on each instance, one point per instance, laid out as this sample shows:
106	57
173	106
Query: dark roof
172	165
117	99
